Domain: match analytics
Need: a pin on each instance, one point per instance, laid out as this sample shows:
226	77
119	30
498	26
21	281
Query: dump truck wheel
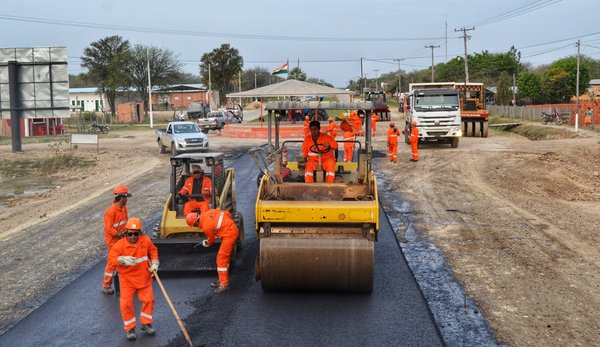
406	138
454	142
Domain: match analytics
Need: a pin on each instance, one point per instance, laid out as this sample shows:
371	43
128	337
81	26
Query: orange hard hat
120	189
414	122
392	124
192	219
133	223
330	119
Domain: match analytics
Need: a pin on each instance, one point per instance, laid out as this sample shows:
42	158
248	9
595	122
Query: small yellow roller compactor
315	236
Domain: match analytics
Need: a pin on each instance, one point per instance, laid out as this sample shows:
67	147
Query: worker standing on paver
332	131
374	119
115	219
392	142
318	147
414	141
136	258
217	223
197	184
306	126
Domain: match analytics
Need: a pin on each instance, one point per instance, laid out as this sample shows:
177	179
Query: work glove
205	243
154	266
119	235
126	260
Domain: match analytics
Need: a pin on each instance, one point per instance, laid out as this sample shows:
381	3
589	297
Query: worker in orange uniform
115	219
306	126
136	258
197	184
374	119
414	141
332	131
219	223
318	147
392	142
356	123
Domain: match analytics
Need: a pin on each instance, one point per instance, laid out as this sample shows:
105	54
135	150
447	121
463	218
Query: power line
206	33
519	11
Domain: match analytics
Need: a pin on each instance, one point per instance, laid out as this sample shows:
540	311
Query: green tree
297	74
255	77
165	69
225	64
558	85
107	60
319	81
503	92
79	81
529	87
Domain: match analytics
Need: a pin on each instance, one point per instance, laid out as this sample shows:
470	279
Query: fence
535	111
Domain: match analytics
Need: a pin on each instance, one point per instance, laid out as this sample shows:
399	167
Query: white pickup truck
181	137
216	120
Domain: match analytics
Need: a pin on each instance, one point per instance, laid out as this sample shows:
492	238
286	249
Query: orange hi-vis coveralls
374	119
306	128
191	187
327	159
356	123
115	219
392	142
414	142
135	278
348	146
219	223
331	129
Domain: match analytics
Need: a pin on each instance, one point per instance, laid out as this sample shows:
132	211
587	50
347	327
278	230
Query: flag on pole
281	70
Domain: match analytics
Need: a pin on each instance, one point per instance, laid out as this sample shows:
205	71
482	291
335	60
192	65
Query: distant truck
379	101
437	112
474	116
197	110
216	120
181	137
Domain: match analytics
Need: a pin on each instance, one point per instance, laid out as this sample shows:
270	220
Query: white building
87	100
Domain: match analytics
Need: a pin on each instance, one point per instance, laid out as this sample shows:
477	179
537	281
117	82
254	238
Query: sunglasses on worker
133	233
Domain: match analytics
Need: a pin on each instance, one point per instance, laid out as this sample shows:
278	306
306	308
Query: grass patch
531	130
44	166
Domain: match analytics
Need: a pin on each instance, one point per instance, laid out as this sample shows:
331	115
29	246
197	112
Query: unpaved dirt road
516	219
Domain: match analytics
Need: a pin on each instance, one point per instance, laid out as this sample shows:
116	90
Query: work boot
131	334
108	290
413	160
215	284
221	289
148	329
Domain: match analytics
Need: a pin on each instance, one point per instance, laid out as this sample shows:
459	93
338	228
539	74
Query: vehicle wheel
470	126
161	148
557	120
174	151
387	116
105	130
454	142
484	132
237	247
406	135
544	121
477	129
205	131
90	131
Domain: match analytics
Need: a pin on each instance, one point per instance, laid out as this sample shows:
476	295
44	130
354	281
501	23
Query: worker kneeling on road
319	148
197	184
217	223
136	258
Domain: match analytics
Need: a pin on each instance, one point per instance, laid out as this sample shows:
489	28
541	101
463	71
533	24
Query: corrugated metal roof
327	105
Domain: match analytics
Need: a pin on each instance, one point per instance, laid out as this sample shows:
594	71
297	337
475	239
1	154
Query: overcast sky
328	37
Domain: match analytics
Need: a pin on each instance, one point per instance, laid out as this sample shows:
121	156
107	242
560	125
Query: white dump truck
437	112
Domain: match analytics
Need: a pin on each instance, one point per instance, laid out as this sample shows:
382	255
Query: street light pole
399	78
466	37
577	90
432	64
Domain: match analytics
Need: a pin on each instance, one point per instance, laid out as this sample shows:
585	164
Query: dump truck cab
316	236
178	244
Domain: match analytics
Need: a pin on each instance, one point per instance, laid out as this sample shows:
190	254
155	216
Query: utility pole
376	78
466	37
362	83
432	64
209	83
514	90
577	90
399	78
150	95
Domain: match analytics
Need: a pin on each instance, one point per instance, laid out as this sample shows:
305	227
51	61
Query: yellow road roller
316	236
